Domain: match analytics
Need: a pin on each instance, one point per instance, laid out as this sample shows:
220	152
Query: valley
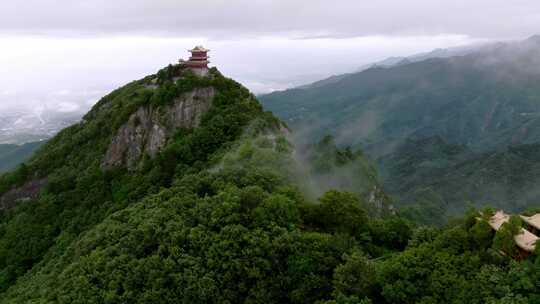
479	108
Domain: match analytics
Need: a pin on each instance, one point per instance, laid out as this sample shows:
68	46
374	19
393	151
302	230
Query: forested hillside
181	189
476	105
433	180
484	100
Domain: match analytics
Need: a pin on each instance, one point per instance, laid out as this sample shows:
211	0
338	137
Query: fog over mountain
448	132
410	176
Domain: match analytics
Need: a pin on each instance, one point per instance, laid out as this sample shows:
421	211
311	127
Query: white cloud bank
86	48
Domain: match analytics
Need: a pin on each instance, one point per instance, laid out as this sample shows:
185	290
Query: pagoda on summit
198	62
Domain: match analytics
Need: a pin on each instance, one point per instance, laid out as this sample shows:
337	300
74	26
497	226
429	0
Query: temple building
198	62
527	238
532	223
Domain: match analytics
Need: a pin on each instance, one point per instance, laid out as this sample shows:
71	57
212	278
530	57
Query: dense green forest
444	132
13	155
228	212
433	180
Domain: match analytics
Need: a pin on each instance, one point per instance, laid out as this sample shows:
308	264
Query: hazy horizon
64	55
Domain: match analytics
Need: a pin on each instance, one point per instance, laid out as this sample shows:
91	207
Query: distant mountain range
12	155
394	61
437	53
432	179
481	100
485	99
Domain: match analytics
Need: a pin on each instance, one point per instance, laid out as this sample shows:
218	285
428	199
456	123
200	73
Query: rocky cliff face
26	192
149	128
381	202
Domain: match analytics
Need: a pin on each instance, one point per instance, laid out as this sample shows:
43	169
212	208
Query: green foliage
432	186
190	242
348	300
482	234
423	234
515	224
447	270
462	99
82	194
341	212
531	211
276	210
536	252
355	277
391	232
218	217
504	238
444	131
487	213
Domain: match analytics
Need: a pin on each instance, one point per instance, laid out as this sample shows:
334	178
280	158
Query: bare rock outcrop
380	200
26	192
149	128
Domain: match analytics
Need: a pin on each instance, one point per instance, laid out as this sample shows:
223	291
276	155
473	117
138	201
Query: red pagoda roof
199	48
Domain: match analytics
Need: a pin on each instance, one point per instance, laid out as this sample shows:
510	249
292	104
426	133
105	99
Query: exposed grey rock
149	128
26	192
379	200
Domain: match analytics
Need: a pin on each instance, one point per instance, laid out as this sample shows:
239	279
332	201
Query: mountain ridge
220	186
487	84
431	175
486	101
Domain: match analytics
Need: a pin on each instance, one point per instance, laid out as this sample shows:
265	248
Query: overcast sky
65	54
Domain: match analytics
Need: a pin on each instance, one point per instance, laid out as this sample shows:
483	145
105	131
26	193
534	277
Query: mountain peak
160	121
